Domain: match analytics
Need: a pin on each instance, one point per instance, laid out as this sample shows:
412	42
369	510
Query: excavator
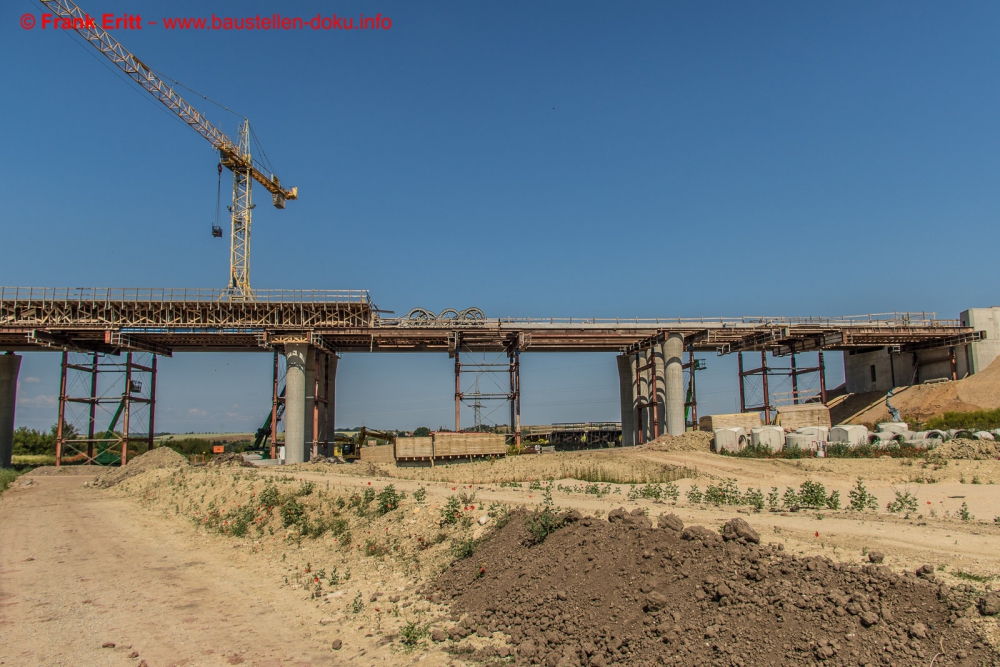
345	446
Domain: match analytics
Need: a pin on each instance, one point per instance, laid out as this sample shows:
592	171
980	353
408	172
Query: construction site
846	523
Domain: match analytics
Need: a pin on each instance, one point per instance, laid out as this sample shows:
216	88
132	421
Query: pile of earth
692	441
161	457
980	391
626	592
230	460
960	448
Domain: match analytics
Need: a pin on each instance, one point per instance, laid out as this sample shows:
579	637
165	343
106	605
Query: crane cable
218	205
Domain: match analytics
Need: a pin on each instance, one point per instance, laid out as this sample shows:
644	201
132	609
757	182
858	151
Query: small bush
754	499
725	493
292	513
7	477
420	495
964	514
544	522
268	498
451	512
387	500
411	633
462	549
694	496
904	502
861	499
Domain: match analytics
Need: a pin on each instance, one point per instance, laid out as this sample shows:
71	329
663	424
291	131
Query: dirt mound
161	457
599	593
692	441
960	448
976	392
230	460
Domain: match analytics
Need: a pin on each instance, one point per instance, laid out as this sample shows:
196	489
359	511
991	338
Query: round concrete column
626	391
9	366
673	350
296	356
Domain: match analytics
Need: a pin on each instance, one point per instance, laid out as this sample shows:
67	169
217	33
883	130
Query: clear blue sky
532	159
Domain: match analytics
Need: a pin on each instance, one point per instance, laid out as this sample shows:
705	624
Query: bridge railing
914	319
43	295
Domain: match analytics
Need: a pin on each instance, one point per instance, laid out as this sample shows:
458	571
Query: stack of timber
414	448
744	420
377	454
792	417
450	446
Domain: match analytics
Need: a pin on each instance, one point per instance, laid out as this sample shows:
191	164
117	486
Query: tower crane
235	156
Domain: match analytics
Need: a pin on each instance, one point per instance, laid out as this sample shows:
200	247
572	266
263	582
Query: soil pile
161	457
230	460
960	448
976	392
692	441
627	593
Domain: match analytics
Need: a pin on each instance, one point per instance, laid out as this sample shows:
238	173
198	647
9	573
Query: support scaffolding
761	390
490	369
90	383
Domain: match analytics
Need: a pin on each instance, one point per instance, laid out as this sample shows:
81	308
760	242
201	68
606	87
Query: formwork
377	454
744	420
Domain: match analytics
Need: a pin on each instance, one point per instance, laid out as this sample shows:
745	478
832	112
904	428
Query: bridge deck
165	320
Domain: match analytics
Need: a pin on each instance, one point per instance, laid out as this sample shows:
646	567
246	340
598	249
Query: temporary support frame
512	348
642	402
321	418
765	371
691	398
136	376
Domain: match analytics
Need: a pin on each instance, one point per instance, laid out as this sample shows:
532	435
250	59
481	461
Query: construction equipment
110	455
264	432
235	156
350	446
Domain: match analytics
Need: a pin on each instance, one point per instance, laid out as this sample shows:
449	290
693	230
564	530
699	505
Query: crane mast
234	156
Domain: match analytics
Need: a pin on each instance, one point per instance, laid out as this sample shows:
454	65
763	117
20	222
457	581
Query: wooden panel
379	454
469	444
745	420
407	448
791	417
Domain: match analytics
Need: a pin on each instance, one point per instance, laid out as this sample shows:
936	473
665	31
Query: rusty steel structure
92	383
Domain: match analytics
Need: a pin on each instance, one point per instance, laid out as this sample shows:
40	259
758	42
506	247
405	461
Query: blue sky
532	159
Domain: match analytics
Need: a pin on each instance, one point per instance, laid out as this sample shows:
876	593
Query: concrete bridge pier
672	350
626	391
10	364
297	359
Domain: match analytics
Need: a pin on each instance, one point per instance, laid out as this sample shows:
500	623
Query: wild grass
7	477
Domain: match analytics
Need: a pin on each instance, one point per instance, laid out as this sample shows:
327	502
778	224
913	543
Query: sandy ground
81	566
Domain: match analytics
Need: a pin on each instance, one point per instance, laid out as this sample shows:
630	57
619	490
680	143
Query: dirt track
80	567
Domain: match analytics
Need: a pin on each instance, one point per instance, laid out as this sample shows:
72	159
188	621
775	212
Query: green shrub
753	498
694	496
7	477
861	499
542	523
420	495
411	633
462	549
725	493
904	502
451	512
387	500
292	513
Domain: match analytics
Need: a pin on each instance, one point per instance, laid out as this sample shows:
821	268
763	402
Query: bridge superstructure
310	328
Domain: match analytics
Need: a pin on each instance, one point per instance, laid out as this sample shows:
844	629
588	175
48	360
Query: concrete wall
898	369
626	392
983	353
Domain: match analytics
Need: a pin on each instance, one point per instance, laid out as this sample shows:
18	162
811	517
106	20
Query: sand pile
976	392
230	460
960	448
692	441
627	593
161	457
